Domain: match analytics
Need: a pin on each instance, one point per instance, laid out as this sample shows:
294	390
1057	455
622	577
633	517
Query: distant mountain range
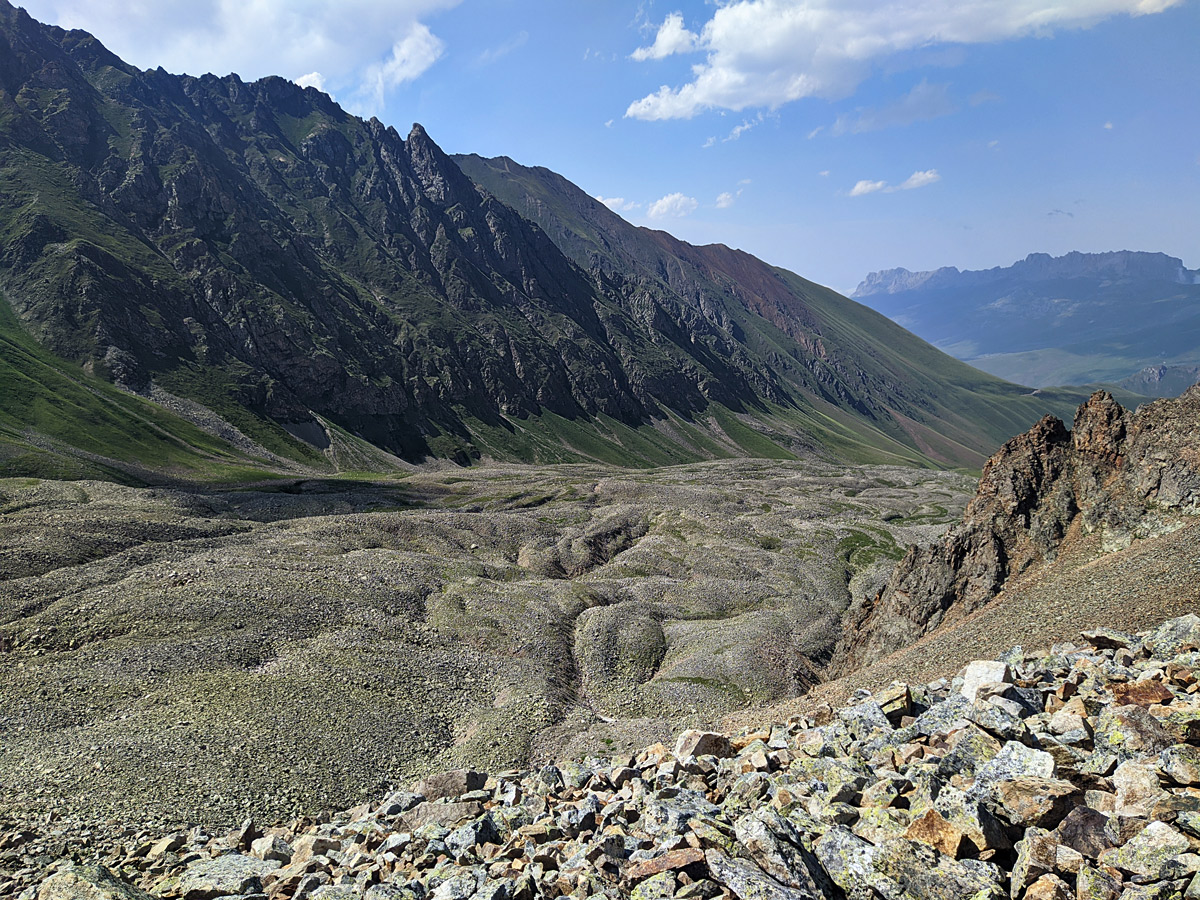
339	295
1075	319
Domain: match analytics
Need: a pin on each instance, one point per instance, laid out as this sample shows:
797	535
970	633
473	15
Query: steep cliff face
256	241
1118	473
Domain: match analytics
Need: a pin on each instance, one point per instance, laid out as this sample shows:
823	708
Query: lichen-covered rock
1129	731
748	882
1181	763
74	882
1013	761
899	868
1042	802
222	876
1148	852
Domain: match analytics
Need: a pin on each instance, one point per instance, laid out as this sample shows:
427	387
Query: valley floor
185	655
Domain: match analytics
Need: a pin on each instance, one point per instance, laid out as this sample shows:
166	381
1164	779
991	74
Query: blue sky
832	137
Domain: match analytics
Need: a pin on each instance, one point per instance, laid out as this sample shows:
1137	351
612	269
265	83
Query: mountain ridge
848	353
254	248
1118	263
1081	318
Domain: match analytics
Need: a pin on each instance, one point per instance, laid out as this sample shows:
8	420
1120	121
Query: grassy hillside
58	422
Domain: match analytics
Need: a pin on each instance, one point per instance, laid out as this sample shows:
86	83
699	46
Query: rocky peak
1124	475
1099	429
442	181
894	281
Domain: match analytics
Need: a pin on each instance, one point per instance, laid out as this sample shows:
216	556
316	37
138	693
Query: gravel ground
186	656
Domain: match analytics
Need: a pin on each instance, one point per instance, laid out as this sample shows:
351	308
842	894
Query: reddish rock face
1116	472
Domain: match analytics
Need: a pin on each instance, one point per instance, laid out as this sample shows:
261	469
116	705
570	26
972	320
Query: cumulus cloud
410	57
765	53
919	179
312	79
618	204
915	180
867	187
725	200
351	44
672	38
925	101
672	206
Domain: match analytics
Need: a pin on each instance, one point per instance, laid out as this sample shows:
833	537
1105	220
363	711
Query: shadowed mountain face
1074	319
256	249
825	351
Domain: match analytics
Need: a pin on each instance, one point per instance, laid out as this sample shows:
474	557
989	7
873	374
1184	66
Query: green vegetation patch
863	548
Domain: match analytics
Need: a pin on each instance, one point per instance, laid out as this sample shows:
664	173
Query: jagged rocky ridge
1116	474
1074	773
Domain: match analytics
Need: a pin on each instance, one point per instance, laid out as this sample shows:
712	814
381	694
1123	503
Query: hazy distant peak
1118	264
892	281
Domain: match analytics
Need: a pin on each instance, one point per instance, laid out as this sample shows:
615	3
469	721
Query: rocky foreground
1071	774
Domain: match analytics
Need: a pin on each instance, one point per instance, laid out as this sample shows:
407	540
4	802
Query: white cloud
725	200
411	56
925	101
824	173
915	180
345	41
1108	126
673	205
618	204
765	53
516	42
867	187
312	79
919	179
672	38
746	125
739	130
708	142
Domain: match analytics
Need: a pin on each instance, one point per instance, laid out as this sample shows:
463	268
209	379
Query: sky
831	137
